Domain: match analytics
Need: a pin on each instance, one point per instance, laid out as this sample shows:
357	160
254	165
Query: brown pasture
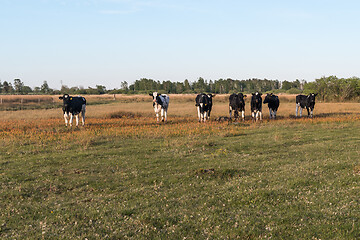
181	105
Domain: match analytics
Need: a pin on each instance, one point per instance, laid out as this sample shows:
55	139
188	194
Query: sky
86	43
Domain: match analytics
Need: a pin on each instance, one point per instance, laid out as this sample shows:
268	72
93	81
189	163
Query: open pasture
123	176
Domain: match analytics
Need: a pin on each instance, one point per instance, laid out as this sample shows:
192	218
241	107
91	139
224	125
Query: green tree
286	85
100	89
7	87
124	86
18	86
44	88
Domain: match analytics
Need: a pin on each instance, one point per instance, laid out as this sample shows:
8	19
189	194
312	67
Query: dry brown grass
180	106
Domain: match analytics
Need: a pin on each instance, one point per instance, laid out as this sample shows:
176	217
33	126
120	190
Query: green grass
298	180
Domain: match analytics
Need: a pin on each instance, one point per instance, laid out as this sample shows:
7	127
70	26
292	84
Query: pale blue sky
90	42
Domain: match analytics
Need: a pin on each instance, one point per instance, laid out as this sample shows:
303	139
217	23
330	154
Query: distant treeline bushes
329	88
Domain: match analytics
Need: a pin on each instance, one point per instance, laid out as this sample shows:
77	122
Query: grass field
123	176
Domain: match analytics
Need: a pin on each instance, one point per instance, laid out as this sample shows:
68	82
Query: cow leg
77	119
270	111
83	114
83	118
199	114
71	119
205	116
162	114
309	115
301	111
66	118
260	115
296	110
230	112
253	116
274	112
236	115
165	114
311	112
243	115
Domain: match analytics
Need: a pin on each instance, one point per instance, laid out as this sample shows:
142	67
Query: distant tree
101	89
36	90
44	88
286	85
124	86
187	86
7	87
64	89
18	86
26	90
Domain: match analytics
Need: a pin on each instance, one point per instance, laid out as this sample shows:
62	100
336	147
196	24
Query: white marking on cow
199	114
71	119
66	116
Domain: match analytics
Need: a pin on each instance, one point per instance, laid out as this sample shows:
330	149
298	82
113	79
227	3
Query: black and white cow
73	106
256	106
237	104
160	104
273	104
308	102
203	103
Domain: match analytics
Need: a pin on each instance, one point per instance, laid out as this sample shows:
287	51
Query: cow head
269	97
156	99
66	99
210	97
256	97
202	100
311	97
241	98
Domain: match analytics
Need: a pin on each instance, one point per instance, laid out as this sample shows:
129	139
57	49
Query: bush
293	91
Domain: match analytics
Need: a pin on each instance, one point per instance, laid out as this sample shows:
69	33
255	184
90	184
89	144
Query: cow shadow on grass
223	174
322	115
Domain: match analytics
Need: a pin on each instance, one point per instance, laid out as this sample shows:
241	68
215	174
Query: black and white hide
160	105
256	106
237	104
73	106
273	104
203	103
308	102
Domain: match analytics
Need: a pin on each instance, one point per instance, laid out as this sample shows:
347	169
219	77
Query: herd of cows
74	106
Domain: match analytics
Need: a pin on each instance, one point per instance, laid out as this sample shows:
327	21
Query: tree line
329	88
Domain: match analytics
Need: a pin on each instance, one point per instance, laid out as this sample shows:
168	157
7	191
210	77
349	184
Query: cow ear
158	94
245	95
150	94
61	97
315	94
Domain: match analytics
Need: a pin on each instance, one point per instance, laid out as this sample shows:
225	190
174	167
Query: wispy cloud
115	12
133	6
128	6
